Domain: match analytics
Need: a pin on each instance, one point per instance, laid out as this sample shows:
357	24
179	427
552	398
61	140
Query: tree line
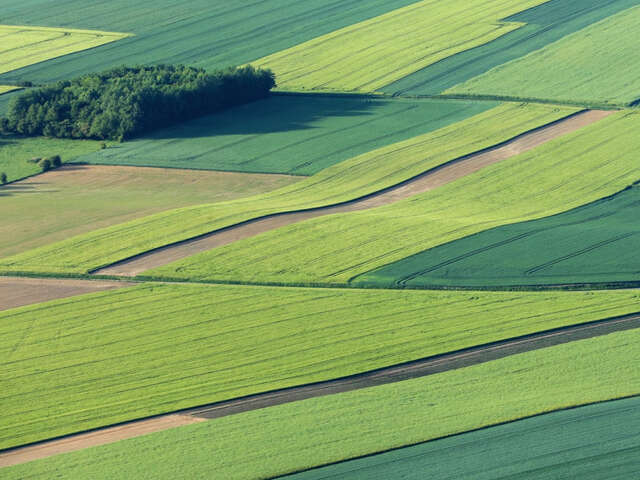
126	102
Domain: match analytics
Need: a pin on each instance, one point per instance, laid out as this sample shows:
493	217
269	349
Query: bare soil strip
424	182
18	291
396	373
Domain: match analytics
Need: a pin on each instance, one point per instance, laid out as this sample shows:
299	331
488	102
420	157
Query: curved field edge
152	349
350	425
345	181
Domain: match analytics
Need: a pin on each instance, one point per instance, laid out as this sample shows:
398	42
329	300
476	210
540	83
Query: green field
595	64
598	442
570	171
7	88
347	180
544	24
288	134
287	438
597	243
371	54
114	356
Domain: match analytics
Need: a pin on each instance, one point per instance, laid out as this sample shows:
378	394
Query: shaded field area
598	442
80	198
563	72
597	243
201	32
110	357
348	180
544	24
371	54
288	134
340	427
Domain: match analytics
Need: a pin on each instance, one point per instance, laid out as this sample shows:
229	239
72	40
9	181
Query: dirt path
422	183
396	373
18	291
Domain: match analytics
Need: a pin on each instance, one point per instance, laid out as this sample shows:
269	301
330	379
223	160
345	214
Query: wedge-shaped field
374	53
289	134
108	357
597	243
347	180
7	88
78	199
570	171
319	431
596	64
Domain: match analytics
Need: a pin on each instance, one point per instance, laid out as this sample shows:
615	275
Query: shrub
56	161
45	165
3	178
103	146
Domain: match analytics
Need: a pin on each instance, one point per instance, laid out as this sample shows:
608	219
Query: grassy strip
8	88
319	431
104	358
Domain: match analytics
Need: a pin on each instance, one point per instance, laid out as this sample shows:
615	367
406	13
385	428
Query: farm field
343	426
347	180
104	358
288	134
591	244
544	24
7	88
79	198
371	54
602	76
568	172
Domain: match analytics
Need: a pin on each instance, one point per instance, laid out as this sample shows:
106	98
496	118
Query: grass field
573	170
598	442
344	181
592	244
7	89
104	358
544	24
369	55
79	199
592	65
288	134
295	436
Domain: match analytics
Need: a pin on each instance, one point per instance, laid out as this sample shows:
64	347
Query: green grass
595	64
598	442
371	54
88	361
347	180
7	88
570	171
274	441
597	243
288	134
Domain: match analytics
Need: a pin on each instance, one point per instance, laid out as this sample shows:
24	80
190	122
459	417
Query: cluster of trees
128	101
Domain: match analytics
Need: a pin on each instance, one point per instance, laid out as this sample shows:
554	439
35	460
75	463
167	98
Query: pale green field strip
315	432
7	88
596	64
26	45
345	181
578	168
374	53
100	359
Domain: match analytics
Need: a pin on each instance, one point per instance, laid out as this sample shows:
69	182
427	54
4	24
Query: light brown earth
425	182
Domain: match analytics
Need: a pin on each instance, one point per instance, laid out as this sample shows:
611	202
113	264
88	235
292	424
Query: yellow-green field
7	88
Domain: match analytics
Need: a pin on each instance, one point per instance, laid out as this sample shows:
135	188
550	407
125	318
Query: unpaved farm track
396	373
424	182
18	291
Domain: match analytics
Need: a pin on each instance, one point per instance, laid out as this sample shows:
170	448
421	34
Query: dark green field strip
546	23
203	33
288	134
595	442
5	98
594	244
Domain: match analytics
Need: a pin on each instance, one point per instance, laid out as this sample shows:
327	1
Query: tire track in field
421	183
396	373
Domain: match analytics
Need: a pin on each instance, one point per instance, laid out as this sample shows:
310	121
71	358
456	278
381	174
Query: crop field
108	357
347	180
573	170
562	71
7	89
343	426
596	243
371	54
288	134
78	199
